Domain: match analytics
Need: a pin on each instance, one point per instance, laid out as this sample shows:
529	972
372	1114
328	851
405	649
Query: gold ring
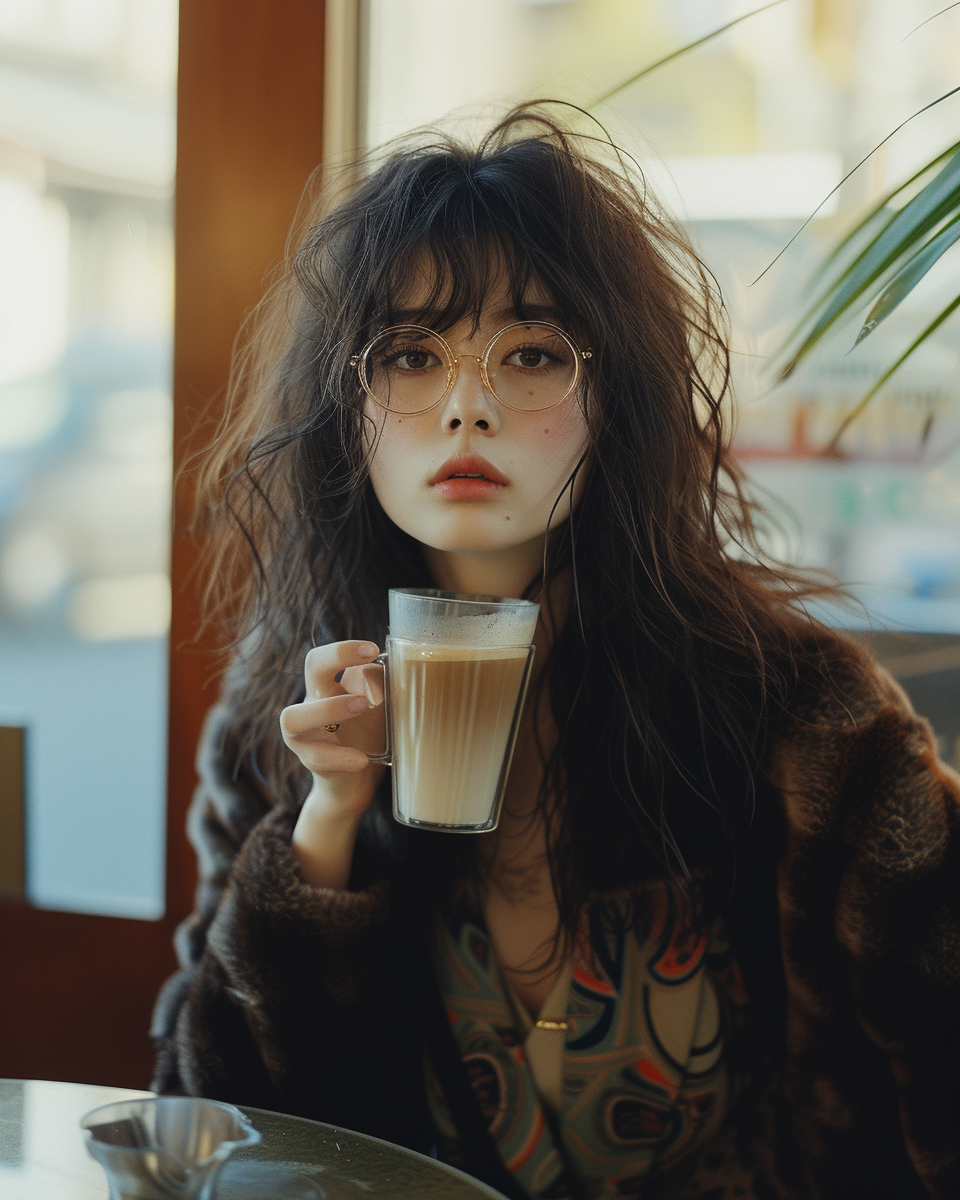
331	728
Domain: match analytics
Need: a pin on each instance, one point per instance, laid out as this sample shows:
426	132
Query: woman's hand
340	691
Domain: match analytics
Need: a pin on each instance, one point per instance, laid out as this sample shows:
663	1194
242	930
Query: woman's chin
475	545
479	538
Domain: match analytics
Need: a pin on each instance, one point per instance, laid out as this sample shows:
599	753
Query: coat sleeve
289	997
869	897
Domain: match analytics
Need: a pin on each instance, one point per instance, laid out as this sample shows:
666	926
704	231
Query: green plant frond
940	199
865	400
677	53
878	211
868	271
927	21
907	279
942	191
842	301
852	171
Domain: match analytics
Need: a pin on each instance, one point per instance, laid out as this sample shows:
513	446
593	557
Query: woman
723	881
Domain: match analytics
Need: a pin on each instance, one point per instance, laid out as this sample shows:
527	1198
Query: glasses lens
532	366
406	369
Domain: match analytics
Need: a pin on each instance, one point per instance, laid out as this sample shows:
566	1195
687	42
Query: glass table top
42	1155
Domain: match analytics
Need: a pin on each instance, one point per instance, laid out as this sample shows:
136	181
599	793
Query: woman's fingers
309	718
324	663
338	691
364	681
328	757
319	749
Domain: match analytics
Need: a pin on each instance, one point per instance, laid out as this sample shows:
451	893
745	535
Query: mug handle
386	758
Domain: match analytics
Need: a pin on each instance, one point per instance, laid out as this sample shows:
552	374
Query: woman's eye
413	358
530	357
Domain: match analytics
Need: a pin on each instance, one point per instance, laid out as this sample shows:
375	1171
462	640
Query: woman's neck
491	572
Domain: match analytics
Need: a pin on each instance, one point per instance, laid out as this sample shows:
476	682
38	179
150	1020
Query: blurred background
743	138
87	148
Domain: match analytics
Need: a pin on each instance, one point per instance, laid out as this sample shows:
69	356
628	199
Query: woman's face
525	458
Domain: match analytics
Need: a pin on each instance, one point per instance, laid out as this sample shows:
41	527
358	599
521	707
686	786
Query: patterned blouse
640	1076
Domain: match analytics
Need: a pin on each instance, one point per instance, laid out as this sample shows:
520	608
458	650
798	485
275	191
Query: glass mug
456	673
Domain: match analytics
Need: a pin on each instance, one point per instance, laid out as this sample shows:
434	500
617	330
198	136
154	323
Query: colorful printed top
642	1038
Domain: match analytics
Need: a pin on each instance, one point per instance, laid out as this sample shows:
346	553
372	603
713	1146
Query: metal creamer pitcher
166	1147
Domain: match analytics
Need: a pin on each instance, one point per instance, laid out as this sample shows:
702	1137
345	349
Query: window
86	271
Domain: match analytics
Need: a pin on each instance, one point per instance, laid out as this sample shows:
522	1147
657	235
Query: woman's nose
469	402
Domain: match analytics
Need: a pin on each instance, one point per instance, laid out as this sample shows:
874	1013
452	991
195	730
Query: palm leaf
928	20
889	260
880	212
865	400
853	171
940	196
939	200
907	279
677	53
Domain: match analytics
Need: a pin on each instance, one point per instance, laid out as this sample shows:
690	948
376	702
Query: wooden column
250	121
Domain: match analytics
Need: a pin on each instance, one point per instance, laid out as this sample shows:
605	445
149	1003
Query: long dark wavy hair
681	643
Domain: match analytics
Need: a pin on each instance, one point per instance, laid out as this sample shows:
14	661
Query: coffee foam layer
413	649
447	623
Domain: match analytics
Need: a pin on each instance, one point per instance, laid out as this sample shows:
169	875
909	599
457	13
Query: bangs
450	277
445	238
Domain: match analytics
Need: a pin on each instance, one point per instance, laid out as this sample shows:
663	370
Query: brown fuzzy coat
847	927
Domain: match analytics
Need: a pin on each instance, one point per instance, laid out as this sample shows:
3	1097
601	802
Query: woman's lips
467	489
467	477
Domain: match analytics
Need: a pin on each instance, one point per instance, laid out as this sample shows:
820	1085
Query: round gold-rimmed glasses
528	366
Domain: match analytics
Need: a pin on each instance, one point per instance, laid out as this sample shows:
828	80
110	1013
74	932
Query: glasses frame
359	361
